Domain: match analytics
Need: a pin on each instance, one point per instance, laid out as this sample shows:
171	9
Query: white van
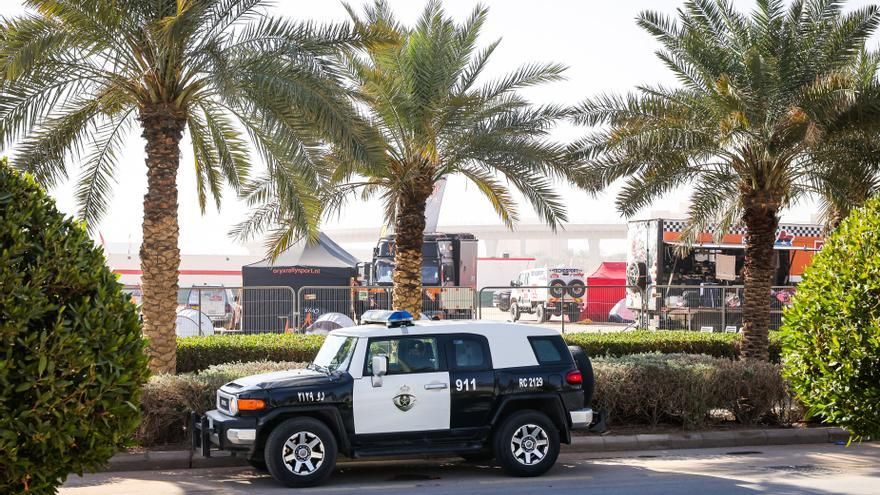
217	303
548	291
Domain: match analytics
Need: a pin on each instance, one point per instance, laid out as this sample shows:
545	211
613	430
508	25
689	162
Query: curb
706	439
184	459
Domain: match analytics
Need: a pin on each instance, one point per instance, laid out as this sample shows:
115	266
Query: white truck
548	291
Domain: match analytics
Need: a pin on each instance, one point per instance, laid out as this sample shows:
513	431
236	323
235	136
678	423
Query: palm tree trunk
409	230
160	255
761	220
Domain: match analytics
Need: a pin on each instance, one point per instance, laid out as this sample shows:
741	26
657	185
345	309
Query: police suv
395	387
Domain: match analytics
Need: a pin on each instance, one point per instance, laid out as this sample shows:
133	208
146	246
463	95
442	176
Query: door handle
436	386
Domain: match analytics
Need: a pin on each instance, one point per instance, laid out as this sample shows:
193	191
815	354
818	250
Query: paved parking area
813	469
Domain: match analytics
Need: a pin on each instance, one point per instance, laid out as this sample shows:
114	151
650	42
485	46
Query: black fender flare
551	404
329	413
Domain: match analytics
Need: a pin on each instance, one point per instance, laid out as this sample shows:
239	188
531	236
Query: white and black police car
397	387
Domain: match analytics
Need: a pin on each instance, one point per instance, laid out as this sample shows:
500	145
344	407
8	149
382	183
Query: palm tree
761	97
424	94
421	90
78	76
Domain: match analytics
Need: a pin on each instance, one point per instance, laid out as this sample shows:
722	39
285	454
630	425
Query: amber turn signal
251	404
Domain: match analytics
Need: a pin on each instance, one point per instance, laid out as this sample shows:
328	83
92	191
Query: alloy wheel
303	453
529	444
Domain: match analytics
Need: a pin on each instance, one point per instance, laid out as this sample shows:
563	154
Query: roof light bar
391	319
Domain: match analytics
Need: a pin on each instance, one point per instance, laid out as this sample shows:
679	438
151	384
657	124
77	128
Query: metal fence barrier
204	310
210	310
353	301
593	308
708	308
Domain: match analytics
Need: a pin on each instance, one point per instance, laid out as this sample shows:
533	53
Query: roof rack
391	319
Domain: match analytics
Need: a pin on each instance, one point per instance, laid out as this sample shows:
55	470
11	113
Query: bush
636	389
665	342
73	359
168	399
197	353
683	389
832	330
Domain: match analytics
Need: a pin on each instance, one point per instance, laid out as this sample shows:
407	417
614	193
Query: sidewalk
184	459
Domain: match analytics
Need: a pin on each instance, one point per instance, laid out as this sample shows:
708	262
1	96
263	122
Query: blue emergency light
391	319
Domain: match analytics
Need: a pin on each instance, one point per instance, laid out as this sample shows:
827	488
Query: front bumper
215	430
581	418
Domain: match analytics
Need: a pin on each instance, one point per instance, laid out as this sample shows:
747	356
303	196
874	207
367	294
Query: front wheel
300	452
527	444
514	311
541	313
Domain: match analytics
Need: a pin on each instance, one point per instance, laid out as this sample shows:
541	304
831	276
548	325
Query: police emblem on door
404	400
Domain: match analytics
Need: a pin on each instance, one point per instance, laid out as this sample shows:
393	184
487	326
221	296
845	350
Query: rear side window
550	350
470	353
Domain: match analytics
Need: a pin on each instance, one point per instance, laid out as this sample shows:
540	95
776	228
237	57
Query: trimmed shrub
168	399
197	353
636	389
683	389
831	331
73	360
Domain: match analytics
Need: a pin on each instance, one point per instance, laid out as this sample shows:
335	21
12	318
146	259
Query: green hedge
198	353
687	390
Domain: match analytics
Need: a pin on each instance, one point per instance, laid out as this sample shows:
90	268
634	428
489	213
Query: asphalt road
779	470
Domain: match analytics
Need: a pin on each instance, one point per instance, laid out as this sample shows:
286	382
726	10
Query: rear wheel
574	315
527	444
514	311
300	452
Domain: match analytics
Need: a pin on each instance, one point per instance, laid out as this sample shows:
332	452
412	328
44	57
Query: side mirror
380	368
513	283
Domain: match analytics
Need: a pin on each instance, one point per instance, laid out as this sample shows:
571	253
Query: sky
598	40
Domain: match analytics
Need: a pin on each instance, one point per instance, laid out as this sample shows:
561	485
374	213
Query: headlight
227	403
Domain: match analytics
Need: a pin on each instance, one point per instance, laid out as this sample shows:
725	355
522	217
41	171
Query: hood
278	379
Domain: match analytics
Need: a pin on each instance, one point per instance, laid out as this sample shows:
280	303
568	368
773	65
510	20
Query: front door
413	396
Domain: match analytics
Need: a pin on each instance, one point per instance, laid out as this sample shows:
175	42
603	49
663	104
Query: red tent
605	287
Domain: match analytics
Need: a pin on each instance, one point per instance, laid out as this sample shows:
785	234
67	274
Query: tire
576	289
514	311
541	313
574	315
524	426
583	363
557	288
288	439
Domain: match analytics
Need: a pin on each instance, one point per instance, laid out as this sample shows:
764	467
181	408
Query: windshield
335	353
430	275
384	271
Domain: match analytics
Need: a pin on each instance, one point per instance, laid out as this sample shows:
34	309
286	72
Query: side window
405	354
469	353
549	350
